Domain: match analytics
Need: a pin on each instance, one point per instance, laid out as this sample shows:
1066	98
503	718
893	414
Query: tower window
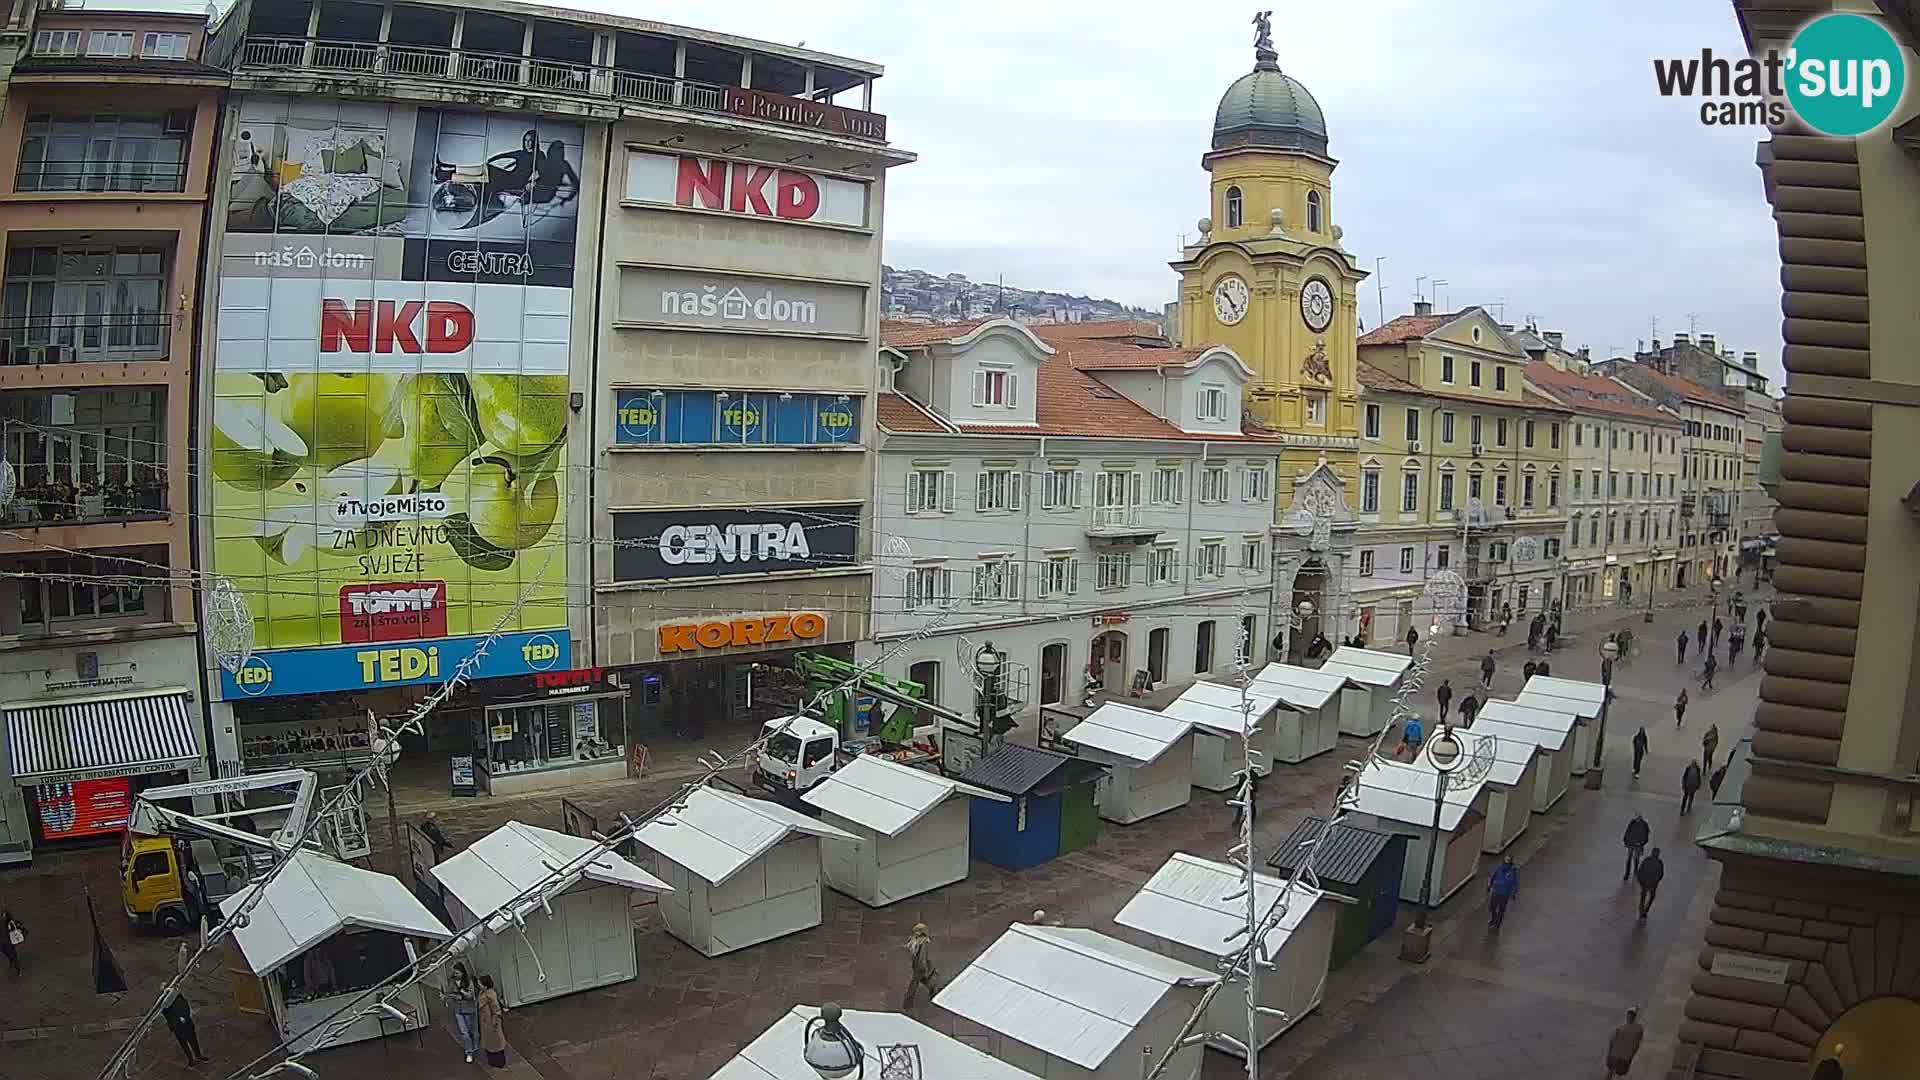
1313	211
1235	208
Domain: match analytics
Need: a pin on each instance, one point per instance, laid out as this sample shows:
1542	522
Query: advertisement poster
660	545
391	397
83	808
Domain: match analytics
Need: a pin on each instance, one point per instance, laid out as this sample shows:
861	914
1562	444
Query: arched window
1313	211
1235	208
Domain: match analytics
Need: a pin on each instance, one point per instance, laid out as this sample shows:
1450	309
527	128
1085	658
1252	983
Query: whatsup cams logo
1842	75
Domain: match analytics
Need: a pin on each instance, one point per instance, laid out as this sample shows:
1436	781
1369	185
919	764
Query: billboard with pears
388	423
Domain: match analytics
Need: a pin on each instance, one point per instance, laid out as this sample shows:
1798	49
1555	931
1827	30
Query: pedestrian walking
1543	668
1527	671
1533	640
1680	708
1486	669
1636	837
1759	619
1701	633
1624	1044
922	971
1706	672
1734	645
1714	781
1639	748
1648	876
1501	887
1506	618
1469	705
1444	695
1413	639
1709	745
13	937
463	1002
1719	629
1681	643
1412	734
1689	787
430	828
1553	634
179	1016
1759	646
493	1032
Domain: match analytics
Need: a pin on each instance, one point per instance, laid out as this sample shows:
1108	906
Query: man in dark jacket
1681	643
1700	634
1624	1044
1714	781
1501	887
1636	837
1680	708
1413	639
1689	786
179	1017
1444	694
1469	705
1639	749
1526	671
1486	669
1649	873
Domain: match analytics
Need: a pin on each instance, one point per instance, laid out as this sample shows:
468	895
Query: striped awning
86	738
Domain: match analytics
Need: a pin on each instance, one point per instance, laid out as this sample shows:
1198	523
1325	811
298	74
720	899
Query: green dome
1268	108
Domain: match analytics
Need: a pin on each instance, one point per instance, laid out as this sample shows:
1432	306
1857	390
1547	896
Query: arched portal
1878	1039
1310	585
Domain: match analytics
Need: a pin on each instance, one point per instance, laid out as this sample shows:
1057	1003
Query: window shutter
913	492
1073	576
946	492
979	583
1133	489
1246	484
1016	488
1014	569
1013	389
982	489
1179	487
979	387
1077	486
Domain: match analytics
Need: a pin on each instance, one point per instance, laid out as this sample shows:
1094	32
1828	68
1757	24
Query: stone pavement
686	1014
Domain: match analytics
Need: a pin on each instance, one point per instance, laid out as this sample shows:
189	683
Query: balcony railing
63	176
87	503
84	338
466	67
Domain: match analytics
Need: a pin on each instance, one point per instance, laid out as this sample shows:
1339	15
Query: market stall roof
1583	699
1138	735
1217	708
1404	793
778	1053
1342	859
1075	994
717	834
1017	769
1511	756
1186	901
1369	667
1302	688
315	897
515	857
1553	724
886	796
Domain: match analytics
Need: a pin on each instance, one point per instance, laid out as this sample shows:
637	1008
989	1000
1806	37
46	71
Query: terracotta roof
904	415
1406	328
1587	392
1379	380
906	335
1689	389
1097	355
1375	379
1107	328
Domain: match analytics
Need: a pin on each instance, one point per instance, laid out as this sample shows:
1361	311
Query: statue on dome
1263	52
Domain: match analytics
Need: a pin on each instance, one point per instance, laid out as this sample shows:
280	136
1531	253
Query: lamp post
830	1049
1303	611
1653	575
1595	770
986	664
1445	753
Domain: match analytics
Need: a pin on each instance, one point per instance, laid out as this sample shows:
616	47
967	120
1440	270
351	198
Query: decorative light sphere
987	661
1445	751
1609	650
1205	224
1305	609
831	1050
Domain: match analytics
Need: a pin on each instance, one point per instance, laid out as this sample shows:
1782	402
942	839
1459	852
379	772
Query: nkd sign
694	299
744	187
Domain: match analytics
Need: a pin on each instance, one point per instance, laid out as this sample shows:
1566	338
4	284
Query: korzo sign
666	544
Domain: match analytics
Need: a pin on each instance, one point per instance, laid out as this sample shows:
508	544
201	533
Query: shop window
927	674
1157	643
543	735
1053	673
1203	648
343	964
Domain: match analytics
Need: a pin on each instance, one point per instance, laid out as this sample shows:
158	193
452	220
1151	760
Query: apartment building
1712	467
106	149
1092	508
1757	504
1809	952
1462	468
541	322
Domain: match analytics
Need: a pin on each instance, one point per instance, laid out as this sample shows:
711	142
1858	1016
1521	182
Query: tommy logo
393	611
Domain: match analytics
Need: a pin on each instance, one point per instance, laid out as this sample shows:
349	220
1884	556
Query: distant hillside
925	297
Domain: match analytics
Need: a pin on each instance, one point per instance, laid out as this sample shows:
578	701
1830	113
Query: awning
94	737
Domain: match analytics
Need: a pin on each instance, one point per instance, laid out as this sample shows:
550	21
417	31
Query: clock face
1316	304
1230	300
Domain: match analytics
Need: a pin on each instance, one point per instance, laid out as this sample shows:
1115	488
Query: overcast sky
1517	150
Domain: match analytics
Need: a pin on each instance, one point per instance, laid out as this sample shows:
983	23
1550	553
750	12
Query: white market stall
909	827
1150	755
323	934
1214	712
1550	730
1185	909
779	1052
1511	783
581	939
1366	706
1071	1004
1314	696
1582	699
743	871
1395	797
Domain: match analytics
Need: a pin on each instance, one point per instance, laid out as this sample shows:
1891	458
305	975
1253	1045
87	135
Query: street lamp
1653	575
1608	653
1446	754
830	1049
986	664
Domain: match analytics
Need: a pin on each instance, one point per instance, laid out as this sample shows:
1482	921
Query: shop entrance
682	705
1107	661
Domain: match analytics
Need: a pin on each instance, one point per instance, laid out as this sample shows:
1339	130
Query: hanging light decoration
229	625
8	484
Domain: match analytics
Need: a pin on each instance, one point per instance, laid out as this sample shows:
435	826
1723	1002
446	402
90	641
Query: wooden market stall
1511	782
1397	797
1149	756
581	939
779	1052
1050	812
1366	705
1358	870
1582	699
323	934
1072	1004
1550	730
1218	724
1187	910
1314	696
743	870
911	829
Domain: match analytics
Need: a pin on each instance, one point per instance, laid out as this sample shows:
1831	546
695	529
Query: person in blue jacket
1500	889
1412	734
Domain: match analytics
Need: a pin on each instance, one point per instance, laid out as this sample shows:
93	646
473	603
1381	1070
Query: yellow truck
176	866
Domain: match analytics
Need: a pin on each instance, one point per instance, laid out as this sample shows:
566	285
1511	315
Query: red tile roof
904	415
1375	379
1108	328
1690	390
1406	328
1110	355
907	335
1587	392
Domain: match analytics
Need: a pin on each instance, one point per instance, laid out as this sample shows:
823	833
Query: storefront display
82	808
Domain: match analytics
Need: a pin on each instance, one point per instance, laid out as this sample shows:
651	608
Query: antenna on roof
1437	282
1693	323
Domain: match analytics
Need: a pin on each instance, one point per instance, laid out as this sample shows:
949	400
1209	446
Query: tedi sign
650	545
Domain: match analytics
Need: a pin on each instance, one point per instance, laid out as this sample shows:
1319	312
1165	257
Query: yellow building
1461	469
1269	279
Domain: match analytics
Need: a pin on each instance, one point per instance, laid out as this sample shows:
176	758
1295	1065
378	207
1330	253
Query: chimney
1656	345
1423	307
1681	339
1706	342
1554	338
1586	354
1750	359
